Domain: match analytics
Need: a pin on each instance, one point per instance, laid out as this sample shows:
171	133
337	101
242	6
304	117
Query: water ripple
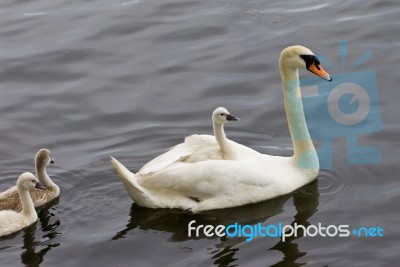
330	183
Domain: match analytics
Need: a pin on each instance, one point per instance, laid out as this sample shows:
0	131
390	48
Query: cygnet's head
28	181
43	158
298	56
221	115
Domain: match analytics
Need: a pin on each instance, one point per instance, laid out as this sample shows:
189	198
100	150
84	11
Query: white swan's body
11	221
170	182
10	200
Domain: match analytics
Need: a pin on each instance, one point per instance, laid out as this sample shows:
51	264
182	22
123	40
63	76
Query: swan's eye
222	114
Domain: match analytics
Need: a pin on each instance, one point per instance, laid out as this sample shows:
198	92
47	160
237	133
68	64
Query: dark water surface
90	79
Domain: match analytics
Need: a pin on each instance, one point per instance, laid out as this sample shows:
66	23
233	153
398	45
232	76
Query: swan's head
221	116
28	181
43	158
298	56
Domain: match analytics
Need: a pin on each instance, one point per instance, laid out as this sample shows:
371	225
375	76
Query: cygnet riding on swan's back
10	199
198	147
223	148
251	177
12	221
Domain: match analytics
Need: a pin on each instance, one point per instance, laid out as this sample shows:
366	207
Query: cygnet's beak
230	117
51	161
40	186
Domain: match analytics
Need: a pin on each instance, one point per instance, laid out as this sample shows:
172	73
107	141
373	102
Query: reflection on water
306	205
36	248
176	222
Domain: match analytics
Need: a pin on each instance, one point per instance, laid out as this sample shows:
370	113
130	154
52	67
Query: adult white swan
11	221
251	177
10	199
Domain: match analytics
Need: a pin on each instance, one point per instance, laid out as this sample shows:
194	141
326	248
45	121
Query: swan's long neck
43	177
304	152
223	143
27	203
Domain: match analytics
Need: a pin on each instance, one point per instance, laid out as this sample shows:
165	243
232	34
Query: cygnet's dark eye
222	114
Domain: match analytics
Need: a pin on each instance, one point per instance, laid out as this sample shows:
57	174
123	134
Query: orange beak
319	71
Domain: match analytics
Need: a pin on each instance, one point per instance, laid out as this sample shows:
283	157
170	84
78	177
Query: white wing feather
193	146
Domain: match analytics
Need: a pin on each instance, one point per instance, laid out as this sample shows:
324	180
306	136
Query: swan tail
129	180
